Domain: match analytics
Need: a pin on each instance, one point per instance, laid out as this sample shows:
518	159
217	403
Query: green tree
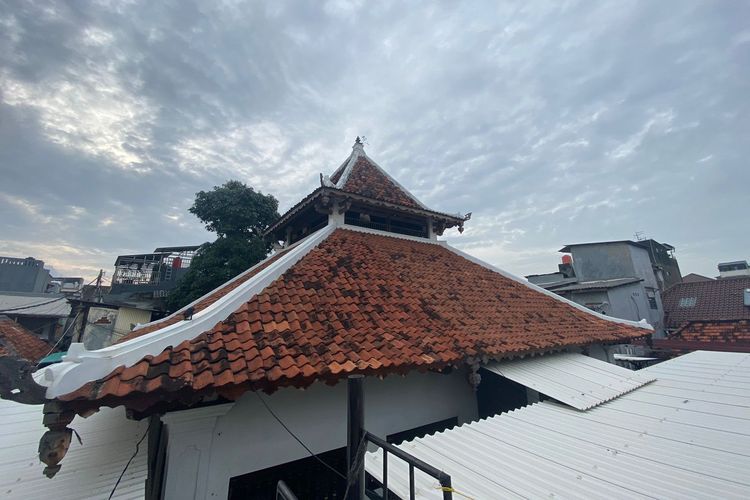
238	215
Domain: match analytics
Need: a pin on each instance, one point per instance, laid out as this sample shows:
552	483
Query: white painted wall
209	446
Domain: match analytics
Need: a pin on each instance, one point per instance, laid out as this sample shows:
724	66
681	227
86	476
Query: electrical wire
349	478
72	323
137	447
298	439
32	305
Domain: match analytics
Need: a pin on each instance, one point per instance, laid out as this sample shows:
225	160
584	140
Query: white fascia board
639	324
378	232
356	153
202	297
81	366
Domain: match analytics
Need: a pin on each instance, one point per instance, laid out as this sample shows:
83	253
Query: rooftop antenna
639	236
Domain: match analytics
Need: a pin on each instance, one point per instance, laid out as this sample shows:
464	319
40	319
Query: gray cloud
553	123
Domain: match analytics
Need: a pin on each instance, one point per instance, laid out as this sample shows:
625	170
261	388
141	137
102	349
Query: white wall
209	446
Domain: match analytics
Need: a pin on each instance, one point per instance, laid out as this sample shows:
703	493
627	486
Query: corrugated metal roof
88	471
686	435
574	379
34	305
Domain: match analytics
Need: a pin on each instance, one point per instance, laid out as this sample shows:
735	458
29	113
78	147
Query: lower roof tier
358	302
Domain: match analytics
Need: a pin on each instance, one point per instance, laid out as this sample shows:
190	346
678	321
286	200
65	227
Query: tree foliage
238	215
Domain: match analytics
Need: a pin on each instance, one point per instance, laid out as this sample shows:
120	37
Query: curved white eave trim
639	324
80	366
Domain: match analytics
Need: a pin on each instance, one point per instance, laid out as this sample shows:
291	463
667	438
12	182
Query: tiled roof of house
705	300
367	303
17	341
711	335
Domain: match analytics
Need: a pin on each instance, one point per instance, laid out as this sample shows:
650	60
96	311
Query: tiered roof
343	300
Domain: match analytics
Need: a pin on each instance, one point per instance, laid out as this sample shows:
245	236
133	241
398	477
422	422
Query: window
687	302
652	299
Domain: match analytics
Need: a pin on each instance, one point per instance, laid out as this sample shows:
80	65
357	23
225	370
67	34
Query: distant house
100	324
617	278
20	343
44	314
28	275
139	285
709	315
143	281
23	275
362	287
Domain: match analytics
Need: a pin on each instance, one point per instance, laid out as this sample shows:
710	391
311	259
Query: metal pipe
355	434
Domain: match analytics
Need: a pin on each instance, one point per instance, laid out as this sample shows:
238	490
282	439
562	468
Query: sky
552	122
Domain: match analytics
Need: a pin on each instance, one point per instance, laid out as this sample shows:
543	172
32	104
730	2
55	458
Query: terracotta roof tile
17	341
204	302
393	304
368	180
713	335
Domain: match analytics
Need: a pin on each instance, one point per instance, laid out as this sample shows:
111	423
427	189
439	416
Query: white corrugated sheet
88	471
34	305
574	379
686	435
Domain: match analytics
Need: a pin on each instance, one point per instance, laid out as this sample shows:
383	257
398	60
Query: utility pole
98	291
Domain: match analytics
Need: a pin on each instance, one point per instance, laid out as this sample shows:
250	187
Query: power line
137	447
32	305
72	323
298	439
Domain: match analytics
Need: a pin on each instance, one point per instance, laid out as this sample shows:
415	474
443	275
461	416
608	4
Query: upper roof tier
361	190
361	175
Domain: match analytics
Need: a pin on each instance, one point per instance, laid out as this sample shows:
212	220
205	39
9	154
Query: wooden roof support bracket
55	442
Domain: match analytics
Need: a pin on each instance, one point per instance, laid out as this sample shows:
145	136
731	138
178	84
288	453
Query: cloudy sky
553	122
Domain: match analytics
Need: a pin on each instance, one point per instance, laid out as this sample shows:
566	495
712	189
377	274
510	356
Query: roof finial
358	145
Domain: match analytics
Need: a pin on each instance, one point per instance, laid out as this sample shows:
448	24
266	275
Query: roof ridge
81	366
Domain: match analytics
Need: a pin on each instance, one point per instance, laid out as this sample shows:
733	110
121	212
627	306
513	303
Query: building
708	315
101	324
664	263
139	285
23	275
143	281
68	285
361	287
30	276
44	314
734	269
616	278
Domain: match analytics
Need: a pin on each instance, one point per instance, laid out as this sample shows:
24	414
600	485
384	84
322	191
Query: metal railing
443	478
283	492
